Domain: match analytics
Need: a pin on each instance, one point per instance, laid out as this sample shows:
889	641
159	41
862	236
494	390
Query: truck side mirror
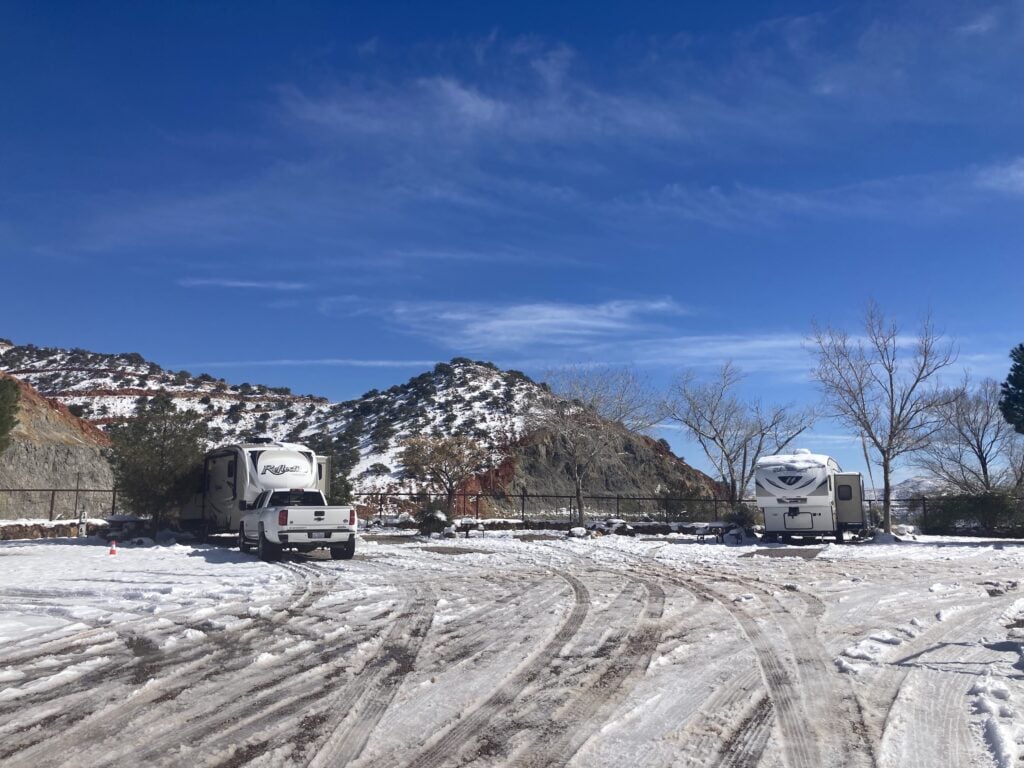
242	506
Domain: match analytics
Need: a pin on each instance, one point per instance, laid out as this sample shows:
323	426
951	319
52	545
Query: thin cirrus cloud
339	362
270	285
782	353
407	155
477	326
1005	177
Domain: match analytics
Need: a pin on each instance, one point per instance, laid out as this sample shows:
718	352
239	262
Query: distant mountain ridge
912	488
463	397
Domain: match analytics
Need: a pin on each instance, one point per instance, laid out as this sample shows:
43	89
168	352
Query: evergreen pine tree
1011	402
8	410
157	458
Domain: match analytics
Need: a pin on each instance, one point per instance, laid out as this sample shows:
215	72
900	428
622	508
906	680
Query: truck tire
344	551
267	551
243	543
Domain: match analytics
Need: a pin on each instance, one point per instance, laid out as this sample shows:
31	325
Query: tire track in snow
810	676
275	694
365	699
457	644
138	643
104	716
820	682
36	646
630	652
933	677
800	748
733	724
477	720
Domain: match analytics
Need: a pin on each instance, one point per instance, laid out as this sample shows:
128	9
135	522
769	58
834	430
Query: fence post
113	501
924	513
522	505
53	499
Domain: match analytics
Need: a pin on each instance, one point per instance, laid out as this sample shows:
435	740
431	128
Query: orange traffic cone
113	547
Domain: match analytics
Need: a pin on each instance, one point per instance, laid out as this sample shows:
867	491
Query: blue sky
334	196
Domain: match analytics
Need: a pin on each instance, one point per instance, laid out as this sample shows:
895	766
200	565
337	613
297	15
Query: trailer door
849	500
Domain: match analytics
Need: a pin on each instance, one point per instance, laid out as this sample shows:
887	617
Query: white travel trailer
234	475
807	494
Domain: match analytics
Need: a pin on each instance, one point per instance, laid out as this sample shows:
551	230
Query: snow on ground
506	649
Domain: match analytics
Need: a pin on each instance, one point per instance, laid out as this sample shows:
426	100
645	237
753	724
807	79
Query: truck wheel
345	551
839	537
266	550
243	543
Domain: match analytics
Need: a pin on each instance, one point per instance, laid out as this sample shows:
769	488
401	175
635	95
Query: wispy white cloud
1006	177
523	136
477	326
340	362
980	25
212	282
925	196
780	353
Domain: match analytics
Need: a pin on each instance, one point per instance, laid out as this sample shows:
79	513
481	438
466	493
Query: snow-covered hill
912	488
462	397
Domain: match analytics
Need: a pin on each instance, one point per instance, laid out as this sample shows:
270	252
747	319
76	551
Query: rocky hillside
462	397
51	448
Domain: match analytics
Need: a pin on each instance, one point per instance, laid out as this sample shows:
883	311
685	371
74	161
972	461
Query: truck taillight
282	517
352	518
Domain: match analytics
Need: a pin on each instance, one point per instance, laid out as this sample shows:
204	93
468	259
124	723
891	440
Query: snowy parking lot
504	650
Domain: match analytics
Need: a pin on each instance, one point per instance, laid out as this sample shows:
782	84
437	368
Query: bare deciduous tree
592	405
443	462
1015	465
884	386
971	451
733	433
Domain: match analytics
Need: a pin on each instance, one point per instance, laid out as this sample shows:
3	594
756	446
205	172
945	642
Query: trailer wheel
243	543
346	551
839	537
266	550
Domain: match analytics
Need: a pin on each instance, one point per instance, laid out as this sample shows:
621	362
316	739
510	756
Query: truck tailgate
318	518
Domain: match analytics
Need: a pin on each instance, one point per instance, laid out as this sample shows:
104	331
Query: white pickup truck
297	519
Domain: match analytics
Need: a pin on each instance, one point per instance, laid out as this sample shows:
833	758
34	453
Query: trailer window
845	492
296	499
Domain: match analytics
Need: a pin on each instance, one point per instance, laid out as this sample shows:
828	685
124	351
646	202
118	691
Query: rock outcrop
51	449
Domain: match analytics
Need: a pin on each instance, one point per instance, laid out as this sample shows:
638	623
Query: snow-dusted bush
432	518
